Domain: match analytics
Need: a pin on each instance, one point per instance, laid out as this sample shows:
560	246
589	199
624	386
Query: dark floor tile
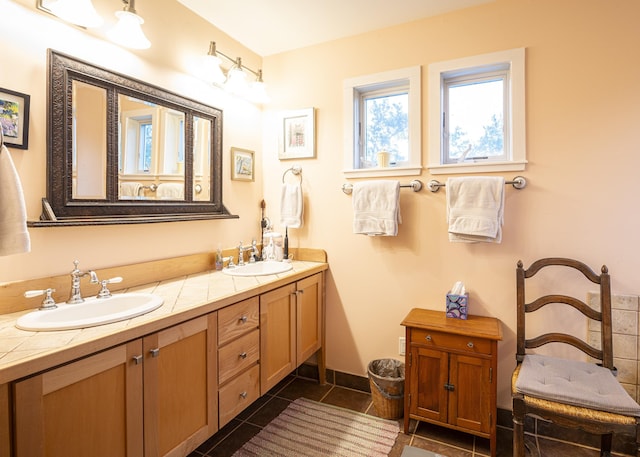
552	447
440	448
306	388
402	441
348	398
215	439
256	405
269	411
445	435
281	385
504	442
234	441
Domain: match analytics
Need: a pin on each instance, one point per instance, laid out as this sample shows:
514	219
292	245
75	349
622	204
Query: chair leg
605	444
518	428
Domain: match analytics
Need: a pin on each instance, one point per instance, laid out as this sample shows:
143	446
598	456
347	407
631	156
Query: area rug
311	429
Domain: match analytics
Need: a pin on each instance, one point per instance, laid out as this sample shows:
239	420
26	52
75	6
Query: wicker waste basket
386	378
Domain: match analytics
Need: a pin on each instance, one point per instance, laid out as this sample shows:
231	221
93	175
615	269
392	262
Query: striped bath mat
311	429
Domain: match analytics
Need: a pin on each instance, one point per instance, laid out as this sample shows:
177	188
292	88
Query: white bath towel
170	191
14	237
129	189
475	209
376	207
291	205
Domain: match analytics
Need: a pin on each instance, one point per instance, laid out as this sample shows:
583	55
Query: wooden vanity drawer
238	319
237	395
238	355
431	338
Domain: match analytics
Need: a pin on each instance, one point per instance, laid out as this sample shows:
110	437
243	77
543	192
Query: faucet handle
104	291
48	302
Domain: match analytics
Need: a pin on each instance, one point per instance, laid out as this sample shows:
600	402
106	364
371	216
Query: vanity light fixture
235	81
128	31
77	12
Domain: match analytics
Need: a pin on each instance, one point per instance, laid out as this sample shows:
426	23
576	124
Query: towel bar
415	185
519	182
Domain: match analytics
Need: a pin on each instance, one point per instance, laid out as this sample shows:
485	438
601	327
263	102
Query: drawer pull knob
155	352
470	344
243	394
243	355
243	319
137	359
428	337
449	387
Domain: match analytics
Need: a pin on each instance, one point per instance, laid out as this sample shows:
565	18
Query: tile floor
425	436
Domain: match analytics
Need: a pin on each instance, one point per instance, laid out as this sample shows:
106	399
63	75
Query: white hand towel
129	189
291	205
376	207
14	237
170	191
475	209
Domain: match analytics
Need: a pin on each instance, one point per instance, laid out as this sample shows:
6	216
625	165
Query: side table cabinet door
470	402
429	374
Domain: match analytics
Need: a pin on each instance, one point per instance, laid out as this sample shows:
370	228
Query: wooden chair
570	393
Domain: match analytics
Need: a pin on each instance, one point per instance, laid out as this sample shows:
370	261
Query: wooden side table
451	372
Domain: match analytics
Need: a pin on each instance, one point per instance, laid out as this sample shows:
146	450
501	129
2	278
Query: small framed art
242	164
14	118
297	136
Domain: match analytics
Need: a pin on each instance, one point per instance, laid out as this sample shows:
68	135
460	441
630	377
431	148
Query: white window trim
410	74
517	137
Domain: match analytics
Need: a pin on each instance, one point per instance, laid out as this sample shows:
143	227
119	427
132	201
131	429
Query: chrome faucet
241	249
75	296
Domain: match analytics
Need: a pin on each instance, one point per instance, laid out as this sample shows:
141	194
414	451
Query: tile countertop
23	353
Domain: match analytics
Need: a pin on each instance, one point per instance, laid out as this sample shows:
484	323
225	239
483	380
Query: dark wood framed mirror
120	150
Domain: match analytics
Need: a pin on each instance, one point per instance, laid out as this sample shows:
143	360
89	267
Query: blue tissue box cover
457	306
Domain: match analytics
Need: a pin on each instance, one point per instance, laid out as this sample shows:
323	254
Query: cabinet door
92	407
180	387
429	376
309	315
277	336
470	400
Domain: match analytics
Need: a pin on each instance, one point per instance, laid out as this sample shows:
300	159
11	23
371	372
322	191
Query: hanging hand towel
291	205
475	209
376	207
14	237
170	191
129	189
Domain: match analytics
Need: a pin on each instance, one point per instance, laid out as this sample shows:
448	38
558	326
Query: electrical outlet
402	345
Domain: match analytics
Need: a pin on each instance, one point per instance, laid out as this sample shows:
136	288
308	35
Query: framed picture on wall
296	135
14	118
242	164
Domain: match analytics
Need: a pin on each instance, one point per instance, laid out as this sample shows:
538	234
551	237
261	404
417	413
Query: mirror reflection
150	151
123	151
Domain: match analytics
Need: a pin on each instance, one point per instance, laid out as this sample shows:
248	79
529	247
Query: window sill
476	167
383	172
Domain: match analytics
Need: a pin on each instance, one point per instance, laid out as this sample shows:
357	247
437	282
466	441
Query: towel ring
295	170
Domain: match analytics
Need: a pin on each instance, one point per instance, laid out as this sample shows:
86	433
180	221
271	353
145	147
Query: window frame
354	90
514	117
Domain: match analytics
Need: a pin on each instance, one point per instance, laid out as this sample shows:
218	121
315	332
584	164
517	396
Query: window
382	113
476	109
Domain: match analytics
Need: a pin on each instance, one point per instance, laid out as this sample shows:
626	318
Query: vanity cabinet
238	357
154	396
451	372
291	329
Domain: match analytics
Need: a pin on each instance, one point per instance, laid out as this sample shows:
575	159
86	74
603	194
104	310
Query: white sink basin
91	312
259	269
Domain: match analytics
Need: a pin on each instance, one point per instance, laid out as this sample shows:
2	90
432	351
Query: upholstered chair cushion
574	382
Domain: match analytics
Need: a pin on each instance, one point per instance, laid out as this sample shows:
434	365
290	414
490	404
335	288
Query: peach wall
583	113
179	39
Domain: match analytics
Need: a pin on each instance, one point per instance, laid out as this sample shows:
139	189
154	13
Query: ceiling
272	26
